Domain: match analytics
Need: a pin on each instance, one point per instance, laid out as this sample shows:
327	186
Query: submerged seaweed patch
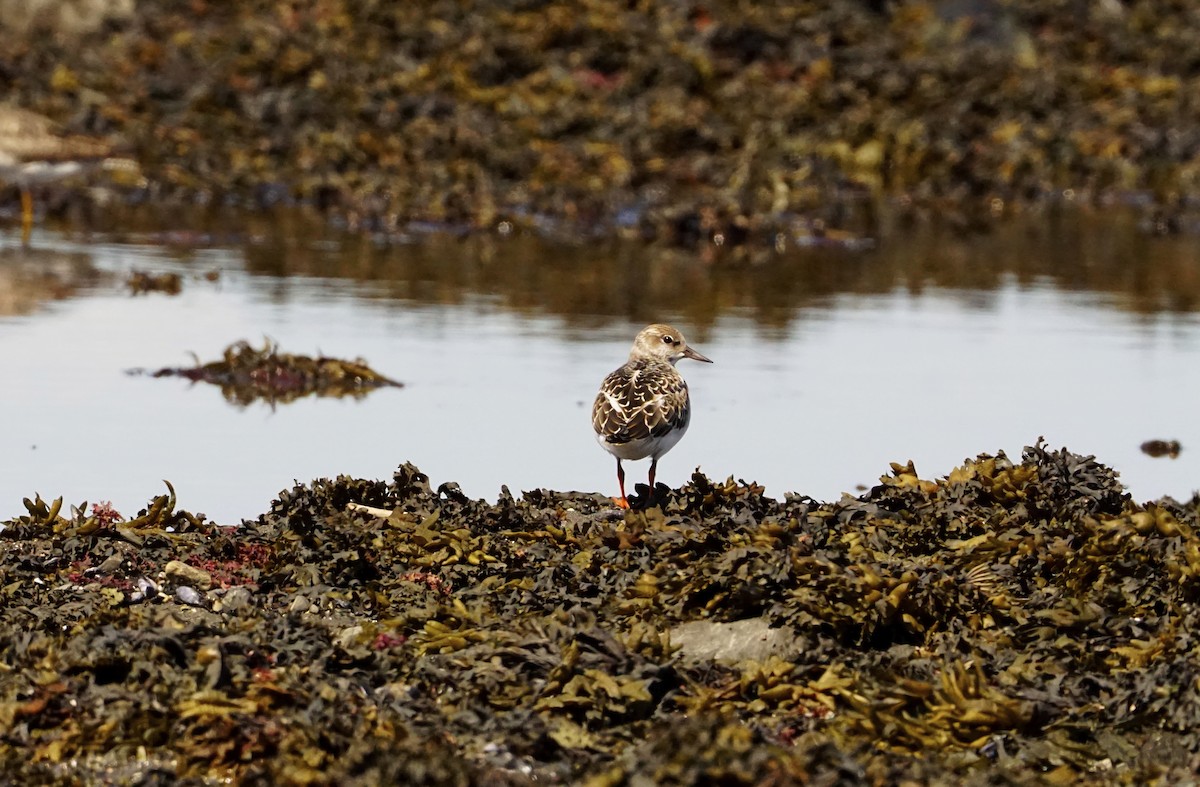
1012	621
247	374
1160	448
141	282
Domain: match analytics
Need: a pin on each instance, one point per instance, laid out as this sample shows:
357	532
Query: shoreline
927	629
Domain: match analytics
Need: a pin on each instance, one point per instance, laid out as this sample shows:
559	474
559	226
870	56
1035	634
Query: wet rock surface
1012	622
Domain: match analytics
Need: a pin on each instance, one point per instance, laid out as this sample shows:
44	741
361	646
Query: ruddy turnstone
643	408
34	150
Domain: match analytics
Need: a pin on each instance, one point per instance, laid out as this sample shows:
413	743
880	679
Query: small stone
236	598
189	574
189	595
347	637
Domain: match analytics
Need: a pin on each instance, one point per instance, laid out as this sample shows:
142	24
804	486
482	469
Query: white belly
653	447
34	172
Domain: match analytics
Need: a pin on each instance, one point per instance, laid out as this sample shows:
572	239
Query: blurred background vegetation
681	122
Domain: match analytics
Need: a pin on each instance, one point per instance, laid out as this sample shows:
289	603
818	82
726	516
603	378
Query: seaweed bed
1010	623
725	123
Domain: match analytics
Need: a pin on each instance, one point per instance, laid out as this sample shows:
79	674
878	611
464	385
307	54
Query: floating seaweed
247	374
140	282
1011	622
1160	448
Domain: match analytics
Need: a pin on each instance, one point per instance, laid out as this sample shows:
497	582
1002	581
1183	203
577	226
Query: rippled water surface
829	363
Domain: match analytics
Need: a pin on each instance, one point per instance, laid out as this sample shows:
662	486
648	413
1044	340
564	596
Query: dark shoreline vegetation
734	124
1011	623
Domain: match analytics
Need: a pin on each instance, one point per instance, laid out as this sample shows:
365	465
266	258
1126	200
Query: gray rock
236	598
751	639
111	564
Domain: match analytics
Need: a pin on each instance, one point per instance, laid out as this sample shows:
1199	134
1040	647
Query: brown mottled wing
16	122
640	401
28	136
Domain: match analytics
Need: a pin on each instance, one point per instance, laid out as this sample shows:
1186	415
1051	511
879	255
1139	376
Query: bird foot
620	502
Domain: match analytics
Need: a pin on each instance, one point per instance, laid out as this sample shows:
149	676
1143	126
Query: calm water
829	364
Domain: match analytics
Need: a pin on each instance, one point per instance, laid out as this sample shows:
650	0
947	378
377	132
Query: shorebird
33	150
643	408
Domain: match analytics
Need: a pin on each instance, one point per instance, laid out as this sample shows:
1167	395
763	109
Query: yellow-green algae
1010	623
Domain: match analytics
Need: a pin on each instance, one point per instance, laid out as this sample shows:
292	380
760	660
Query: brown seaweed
727	126
1160	448
141	282
1011	621
247	374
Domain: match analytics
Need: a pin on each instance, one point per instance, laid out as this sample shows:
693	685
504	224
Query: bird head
664	343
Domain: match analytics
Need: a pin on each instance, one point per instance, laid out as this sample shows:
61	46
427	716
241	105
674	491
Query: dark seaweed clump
141	282
247	374
1014	622
1160	448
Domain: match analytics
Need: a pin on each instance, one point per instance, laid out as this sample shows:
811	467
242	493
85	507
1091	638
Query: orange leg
26	216
623	502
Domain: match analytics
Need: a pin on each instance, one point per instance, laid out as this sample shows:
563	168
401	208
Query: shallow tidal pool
830	363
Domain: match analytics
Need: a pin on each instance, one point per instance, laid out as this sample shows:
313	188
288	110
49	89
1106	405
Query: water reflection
1076	249
1073	247
31	278
936	345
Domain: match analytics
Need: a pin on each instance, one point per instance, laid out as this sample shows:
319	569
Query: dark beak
688	352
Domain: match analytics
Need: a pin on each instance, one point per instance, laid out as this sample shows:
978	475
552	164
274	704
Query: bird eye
668	340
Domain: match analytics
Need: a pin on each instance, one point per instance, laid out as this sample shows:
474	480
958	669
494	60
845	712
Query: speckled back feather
642	399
